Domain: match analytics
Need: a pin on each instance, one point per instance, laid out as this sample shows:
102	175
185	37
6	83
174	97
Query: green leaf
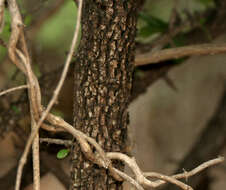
62	153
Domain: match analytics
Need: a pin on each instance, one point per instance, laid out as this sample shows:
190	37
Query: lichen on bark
103	82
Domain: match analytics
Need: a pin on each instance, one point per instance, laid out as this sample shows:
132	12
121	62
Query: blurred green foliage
153	25
57	32
155	17
5	33
207	2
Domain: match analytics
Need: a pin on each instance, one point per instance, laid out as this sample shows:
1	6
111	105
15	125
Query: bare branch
175	53
63	76
35	157
16	27
24	65
52	101
13	89
56	141
82	139
200	168
170	180
187	174
139	174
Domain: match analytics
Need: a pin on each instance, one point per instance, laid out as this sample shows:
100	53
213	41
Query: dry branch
140	177
4	92
56	141
18	53
35	95
187	174
180	52
35	157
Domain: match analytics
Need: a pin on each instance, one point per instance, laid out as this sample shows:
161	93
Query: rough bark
103	82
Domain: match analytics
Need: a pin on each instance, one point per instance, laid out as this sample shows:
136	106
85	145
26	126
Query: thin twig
16	27
139	174
187	174
52	101
33	100
169	179
82	139
176	53
35	157
66	143
63	76
200	168
17	40
129	179
13	89
141	177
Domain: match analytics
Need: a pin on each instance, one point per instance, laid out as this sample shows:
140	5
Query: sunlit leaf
62	153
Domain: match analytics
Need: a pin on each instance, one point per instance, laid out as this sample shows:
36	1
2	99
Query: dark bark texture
103	82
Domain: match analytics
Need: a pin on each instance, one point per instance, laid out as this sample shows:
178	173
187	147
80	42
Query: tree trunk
103	81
